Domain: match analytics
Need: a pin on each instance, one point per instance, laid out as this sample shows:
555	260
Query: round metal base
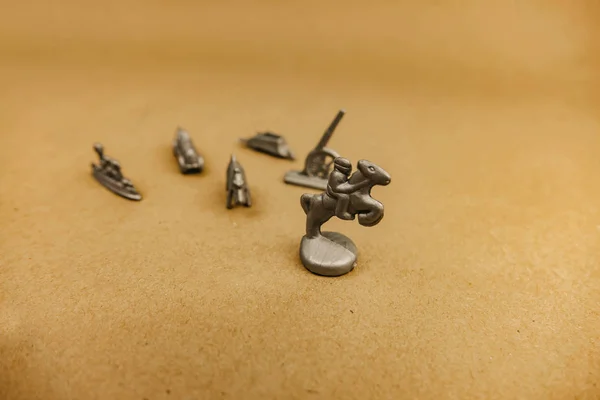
331	254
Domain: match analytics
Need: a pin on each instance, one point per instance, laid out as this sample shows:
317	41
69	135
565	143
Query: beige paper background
482	281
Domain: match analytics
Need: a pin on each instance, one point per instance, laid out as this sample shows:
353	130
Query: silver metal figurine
190	161
346	196
108	173
269	143
318	163
237	185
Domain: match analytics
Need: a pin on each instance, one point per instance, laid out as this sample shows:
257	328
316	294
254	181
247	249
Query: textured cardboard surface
482	281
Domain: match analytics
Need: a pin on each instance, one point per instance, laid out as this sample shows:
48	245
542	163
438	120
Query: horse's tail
305	201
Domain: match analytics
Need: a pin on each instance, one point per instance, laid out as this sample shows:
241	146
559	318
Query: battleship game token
108	173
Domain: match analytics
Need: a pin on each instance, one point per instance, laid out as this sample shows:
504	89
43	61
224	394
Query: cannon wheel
319	163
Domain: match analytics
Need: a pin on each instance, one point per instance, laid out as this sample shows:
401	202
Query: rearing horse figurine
331	253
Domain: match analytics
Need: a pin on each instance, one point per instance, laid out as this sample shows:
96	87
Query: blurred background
533	47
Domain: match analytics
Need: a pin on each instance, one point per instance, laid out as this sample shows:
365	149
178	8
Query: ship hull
114	186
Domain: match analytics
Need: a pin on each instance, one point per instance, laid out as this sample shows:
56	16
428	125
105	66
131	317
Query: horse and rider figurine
347	196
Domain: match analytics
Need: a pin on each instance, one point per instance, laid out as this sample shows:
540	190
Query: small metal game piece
237	186
190	161
331	253
318	163
269	143
108	173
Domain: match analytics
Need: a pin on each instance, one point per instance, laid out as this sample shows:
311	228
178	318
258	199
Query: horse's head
374	173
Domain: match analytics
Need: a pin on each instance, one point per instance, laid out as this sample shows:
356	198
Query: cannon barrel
330	129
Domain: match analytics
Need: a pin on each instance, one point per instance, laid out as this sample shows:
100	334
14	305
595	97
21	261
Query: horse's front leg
369	210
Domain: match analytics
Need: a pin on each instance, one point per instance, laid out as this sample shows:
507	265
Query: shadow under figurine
346	196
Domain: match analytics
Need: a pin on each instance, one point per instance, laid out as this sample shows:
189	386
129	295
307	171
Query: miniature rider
338	188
